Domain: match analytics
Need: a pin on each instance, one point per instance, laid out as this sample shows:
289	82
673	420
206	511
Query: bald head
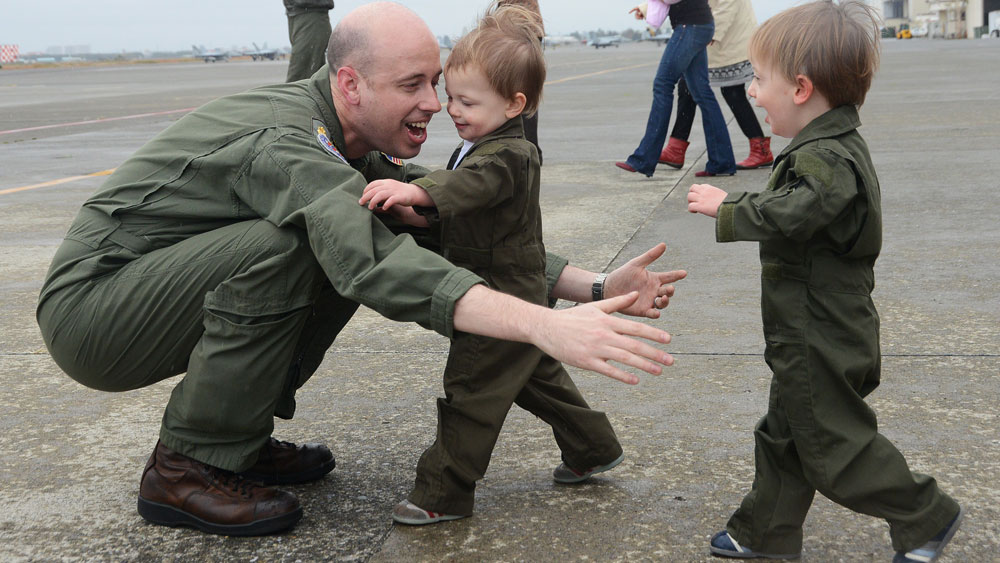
372	31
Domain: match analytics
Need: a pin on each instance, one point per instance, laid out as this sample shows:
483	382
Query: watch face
597	289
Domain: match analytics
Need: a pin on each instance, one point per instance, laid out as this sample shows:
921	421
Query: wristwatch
597	290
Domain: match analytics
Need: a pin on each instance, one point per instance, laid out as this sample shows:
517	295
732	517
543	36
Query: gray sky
117	25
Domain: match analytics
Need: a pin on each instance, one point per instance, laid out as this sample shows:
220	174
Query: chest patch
319	129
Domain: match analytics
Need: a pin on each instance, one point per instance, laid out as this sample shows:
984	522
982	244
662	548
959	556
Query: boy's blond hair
506	48
836	45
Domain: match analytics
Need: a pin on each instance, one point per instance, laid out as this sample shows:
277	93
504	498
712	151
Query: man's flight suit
819	223
487	218
232	247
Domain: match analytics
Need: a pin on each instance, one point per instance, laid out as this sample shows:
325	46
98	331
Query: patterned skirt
739	73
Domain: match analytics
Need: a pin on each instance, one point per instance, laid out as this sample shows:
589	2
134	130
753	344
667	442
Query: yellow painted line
606	71
56	182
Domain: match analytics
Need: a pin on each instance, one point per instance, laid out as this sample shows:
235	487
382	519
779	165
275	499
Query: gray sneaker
408	513
931	550
566	474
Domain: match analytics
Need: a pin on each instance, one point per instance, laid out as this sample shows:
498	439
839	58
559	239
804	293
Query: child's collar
836	122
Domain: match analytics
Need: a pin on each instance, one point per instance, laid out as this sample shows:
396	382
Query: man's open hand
588	336
654	288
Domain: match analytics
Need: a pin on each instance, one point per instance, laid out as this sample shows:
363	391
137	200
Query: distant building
948	19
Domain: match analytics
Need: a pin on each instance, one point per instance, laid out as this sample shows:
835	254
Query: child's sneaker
408	513
931	550
566	474
725	545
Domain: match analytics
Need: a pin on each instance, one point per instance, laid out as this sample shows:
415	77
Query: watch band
597	290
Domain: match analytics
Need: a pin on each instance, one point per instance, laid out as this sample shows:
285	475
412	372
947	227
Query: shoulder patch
395	160
323	137
812	163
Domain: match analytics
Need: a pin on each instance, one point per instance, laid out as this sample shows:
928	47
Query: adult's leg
685	112
227	306
676	57
736	99
531	132
309	33
720	149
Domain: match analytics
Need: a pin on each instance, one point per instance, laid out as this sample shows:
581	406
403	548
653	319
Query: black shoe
284	463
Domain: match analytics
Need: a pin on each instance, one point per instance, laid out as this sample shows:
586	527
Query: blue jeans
685	55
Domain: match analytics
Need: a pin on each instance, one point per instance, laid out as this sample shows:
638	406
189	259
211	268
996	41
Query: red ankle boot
673	153
760	154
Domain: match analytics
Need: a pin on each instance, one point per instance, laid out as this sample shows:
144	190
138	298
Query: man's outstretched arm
587	337
655	289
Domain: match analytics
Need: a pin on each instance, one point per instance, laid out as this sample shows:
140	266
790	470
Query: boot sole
166	515
293	479
671	164
766	164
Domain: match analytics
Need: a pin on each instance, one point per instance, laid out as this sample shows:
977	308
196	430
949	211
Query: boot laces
231	481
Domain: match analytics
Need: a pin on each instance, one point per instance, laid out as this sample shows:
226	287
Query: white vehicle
994	23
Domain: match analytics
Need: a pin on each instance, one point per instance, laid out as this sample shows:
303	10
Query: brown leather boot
179	491
760	154
284	463
673	153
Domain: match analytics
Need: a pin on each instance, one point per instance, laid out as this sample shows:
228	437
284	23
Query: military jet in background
259	53
553	40
660	37
212	56
606	41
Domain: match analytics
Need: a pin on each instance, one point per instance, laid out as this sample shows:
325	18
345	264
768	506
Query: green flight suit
309	33
232	247
487	218
820	230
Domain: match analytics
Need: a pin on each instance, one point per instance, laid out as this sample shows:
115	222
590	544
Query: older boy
819	227
485	209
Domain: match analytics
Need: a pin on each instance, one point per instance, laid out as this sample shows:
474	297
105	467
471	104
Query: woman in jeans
729	70
684	55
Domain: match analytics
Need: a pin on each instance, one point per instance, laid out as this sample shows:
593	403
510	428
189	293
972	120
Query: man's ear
515	105
348	81
803	89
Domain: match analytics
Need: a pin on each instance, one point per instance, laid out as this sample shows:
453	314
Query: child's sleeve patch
812	164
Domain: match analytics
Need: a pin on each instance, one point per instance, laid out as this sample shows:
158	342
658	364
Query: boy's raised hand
705	199
390	192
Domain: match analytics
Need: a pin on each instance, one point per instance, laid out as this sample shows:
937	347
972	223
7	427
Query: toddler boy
485	210
819	228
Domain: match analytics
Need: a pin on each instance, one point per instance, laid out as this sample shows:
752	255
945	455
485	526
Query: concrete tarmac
71	458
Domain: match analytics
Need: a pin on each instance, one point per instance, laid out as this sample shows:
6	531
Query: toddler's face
773	92
475	107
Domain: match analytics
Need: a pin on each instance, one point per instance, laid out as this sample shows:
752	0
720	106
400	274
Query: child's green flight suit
487	219
819	223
